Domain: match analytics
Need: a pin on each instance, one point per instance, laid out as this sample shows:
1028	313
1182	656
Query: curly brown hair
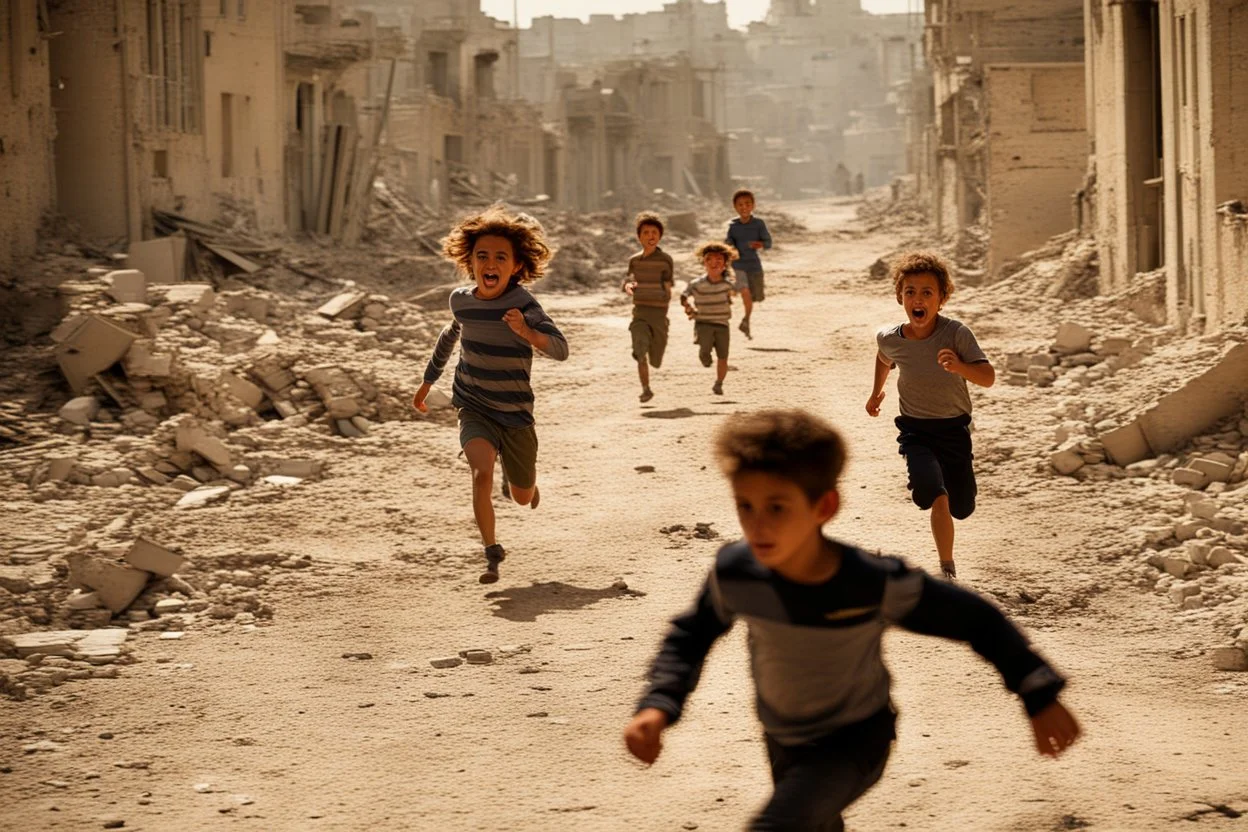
526	235
911	263
649	218
726	250
790	444
740	192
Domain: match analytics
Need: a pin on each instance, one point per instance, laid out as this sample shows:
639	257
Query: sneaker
718	388
744	326
948	569
646	395
494	555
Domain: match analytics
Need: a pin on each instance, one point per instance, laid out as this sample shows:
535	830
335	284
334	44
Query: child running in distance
708	303
651	275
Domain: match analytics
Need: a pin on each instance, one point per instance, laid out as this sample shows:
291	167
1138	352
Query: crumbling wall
26	131
1037	152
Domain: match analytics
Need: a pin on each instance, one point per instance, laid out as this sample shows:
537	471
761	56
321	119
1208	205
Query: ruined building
1168	105
1007	146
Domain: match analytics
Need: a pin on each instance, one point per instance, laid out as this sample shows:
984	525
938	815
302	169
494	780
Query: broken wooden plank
232	257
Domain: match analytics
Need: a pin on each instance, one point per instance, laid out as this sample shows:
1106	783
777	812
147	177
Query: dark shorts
938	459
649	331
753	281
815	782
517	446
710	336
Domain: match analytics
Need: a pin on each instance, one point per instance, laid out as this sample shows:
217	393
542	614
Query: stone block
1187	529
302	468
202	496
1230	658
116	584
80	410
446	662
1189	477
51	643
1214	469
94	346
1040	376
184	483
1012	379
1042	359
1177	565
196	298
1126	445
61	468
1017	362
243	390
1082	359
127	286
1178	593
1073	338
162	260
345	305
154	558
1222	556
1066	459
141	362
1193	602
192	437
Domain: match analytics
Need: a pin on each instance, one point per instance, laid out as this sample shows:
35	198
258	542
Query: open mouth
490	280
919	314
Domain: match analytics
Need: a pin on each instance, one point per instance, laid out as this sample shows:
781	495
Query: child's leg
942	528
747	298
816	782
481	455
721	369
643	373
704	337
520	462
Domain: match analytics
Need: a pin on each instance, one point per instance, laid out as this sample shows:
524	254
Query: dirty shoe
744	326
646	395
494	555
718	388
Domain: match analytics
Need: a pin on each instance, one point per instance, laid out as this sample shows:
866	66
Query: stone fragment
243	390
347	429
202	496
1230	658
1017	362
1222	556
127	286
184	483
1193	602
1214	469
170	606
301	468
116	584
344	305
361	424
1066	459
1190	477
448	661
192	437
1205	509
478	656
1179	592
1013	379
1041	359
154	558
79	600
1176	565
80	410
141	362
1113	345
1040	376
1082	359
1187	529
282	482
94	346
61	468
1072	338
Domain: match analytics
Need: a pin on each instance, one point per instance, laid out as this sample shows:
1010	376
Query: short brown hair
649	218
728	251
790	444
740	192
911	263
527	238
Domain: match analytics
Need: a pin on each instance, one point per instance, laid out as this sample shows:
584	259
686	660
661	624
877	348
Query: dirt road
270	728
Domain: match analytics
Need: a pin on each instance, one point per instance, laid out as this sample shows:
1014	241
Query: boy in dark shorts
651	275
748	235
502	324
708	302
935	356
817	610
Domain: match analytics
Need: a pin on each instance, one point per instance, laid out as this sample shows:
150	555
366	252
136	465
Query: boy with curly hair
935	356
817	610
501	325
708	303
651	275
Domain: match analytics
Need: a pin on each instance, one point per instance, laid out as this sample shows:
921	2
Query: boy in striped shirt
501	324
650	277
708	302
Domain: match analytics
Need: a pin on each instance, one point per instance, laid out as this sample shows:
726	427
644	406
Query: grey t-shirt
927	390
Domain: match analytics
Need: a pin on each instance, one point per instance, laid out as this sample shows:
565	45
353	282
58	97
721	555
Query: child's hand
418	400
873	404
757	245
1055	729
690	311
644	735
629	287
948	359
515	319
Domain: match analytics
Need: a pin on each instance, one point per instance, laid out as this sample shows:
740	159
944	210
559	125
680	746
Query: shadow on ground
526	603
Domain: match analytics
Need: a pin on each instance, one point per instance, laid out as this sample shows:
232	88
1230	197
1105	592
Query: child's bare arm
979	372
882	368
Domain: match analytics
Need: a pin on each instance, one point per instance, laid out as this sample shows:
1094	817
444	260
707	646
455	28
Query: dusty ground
271	728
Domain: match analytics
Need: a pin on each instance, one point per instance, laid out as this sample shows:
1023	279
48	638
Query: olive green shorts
708	336
649	331
517	446
753	281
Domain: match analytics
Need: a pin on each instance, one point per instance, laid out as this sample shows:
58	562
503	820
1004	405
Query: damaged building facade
1007	144
1168	108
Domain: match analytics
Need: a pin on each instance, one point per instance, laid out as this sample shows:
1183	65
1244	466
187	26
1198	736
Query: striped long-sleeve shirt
492	376
654	277
712	300
815	649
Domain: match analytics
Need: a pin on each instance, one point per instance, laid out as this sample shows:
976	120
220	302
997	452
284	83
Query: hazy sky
740	12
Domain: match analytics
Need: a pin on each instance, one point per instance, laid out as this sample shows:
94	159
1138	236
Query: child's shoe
494	555
646	395
744	326
718	388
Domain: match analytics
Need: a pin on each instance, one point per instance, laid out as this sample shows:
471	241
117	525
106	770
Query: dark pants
816	781
938	459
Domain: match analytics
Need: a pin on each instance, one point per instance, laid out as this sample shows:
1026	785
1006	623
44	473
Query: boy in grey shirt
935	356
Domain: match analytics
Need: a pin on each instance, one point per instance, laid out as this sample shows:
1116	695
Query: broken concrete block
80	410
80	600
302	468
344	305
127	286
1066	459
154	558
243	390
92	348
1042	359
52	643
116	584
282	482
192	437
448	661
1113	346
162	260
1126	445
1222	556
1214	469
1040	376
202	496
1073	338
193	297
1230	658
1012	379
61	468
170	606
1189	477
1177	565
1017	362
141	362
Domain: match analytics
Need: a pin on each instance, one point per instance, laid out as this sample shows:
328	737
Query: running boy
935	356
708	302
817	609
651	275
748	235
501	325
